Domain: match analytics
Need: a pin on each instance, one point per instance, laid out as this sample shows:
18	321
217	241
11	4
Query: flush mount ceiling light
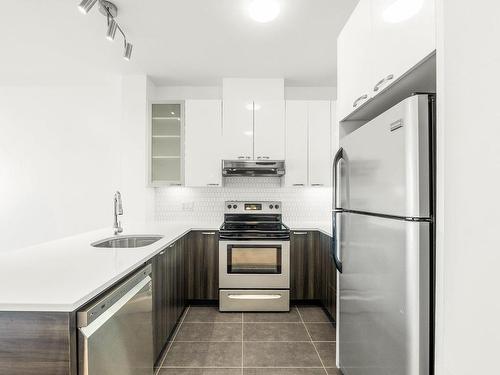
110	11
402	10
264	11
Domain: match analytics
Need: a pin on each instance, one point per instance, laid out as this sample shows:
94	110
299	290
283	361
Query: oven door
254	264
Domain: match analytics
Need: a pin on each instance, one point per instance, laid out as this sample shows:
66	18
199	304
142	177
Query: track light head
128	51
110	34
86	5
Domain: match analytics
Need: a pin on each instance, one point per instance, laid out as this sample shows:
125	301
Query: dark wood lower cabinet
304	264
168	293
202	265
329	276
38	343
312	271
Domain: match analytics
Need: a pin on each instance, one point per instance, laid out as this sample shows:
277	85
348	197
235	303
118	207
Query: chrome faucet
118	211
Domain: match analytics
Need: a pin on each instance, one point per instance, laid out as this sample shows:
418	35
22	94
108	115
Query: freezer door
386	163
384	296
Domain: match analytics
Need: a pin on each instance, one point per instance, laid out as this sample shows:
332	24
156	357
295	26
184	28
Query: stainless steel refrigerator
383	242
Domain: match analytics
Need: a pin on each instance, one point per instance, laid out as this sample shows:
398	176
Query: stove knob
229	206
276	206
235	206
271	206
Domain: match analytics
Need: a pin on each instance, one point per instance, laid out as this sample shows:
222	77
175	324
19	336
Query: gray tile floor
207	342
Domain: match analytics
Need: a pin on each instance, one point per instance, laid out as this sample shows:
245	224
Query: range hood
253	168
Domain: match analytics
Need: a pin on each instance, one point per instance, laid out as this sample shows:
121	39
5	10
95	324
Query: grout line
242	341
172	341
249	367
222	341
312	342
254	322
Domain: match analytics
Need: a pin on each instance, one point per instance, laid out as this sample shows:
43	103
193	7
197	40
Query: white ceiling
176	42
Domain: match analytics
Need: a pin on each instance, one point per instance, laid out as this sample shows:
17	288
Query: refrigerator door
384	291
385	166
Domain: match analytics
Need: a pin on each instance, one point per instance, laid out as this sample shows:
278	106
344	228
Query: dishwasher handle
104	308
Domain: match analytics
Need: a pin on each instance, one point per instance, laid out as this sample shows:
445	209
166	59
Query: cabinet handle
298	184
208	233
175	184
248	157
212	184
300	233
172	245
382	81
362	97
317	184
263	158
162	252
241	157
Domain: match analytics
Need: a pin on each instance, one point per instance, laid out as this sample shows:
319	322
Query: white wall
134	146
468	251
59	164
215	92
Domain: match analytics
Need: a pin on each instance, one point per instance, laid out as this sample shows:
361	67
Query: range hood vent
253	168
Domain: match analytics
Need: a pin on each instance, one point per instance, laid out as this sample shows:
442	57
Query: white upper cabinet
354	74
237	129
403	34
319	143
269	130
296	143
203	145
381	41
308	143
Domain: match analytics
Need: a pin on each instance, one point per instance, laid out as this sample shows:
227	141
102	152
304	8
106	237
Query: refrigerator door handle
335	242
336	160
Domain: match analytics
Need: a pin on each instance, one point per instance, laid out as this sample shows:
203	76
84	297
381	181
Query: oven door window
254	259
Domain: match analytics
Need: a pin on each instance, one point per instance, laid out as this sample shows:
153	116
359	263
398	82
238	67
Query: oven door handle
254	296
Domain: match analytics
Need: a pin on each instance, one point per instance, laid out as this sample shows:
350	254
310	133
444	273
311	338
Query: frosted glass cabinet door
354	51
203	143
166	151
296	143
237	129
319	143
404	33
269	128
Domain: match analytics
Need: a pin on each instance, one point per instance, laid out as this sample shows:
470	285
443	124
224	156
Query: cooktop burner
253	220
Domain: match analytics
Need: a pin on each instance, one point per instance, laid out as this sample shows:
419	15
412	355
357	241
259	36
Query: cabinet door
203	150
166	144
237	130
404	33
319	143
269	130
354	72
160	282
296	142
304	265
202	266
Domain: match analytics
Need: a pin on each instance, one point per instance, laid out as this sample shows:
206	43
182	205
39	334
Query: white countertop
65	274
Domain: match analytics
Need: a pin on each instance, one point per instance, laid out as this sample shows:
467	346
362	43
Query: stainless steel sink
126	242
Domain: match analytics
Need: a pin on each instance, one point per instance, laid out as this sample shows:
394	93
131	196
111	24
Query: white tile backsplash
304	204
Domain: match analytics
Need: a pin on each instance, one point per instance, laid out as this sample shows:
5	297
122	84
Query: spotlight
86	5
128	51
110	34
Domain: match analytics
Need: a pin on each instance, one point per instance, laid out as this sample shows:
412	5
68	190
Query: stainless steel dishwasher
115	334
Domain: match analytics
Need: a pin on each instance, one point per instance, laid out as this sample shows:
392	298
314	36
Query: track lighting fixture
128	51
86	5
112	25
110	11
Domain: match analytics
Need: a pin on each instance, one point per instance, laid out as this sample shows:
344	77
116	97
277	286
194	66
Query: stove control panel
253	207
